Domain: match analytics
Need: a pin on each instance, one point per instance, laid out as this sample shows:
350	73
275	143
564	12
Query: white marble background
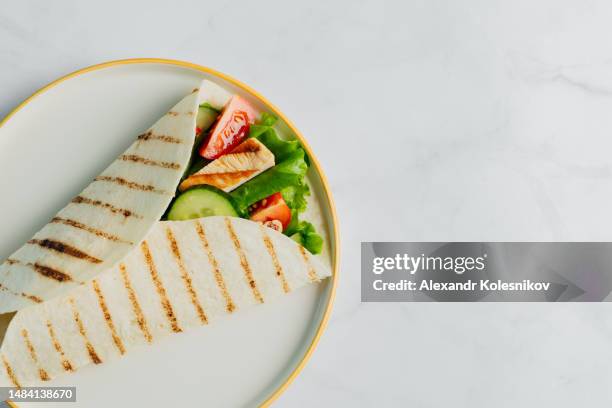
434	120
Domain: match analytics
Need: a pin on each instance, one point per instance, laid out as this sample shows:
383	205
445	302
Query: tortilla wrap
111	216
184	274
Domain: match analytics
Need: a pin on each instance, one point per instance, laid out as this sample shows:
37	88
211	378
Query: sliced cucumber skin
199	202
206	117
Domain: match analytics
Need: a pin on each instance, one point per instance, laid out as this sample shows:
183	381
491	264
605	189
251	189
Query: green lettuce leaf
285	175
267	119
304	233
279	147
266	134
295	196
265	123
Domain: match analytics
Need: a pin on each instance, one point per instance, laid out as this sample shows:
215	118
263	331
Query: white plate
56	142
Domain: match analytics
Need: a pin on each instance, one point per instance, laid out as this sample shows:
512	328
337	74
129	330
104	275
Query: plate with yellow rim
60	138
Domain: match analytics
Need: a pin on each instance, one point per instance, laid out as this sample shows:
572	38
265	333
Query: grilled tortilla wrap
184	274
110	217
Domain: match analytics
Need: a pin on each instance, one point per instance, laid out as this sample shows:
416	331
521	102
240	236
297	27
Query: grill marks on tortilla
161	138
185	276
248	273
161	291
78	316
312	274
90	348
277	266
148	162
107	316
229	303
140	318
33	298
131	184
45	271
10	373
64	248
107	206
175	113
41	371
58	347
97	232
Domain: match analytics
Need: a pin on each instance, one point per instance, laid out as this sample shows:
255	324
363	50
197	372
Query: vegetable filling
241	167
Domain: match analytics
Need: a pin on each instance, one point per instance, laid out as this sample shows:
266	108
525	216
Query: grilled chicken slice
229	171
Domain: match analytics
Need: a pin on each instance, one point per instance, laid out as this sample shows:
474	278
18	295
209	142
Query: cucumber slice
201	201
206	116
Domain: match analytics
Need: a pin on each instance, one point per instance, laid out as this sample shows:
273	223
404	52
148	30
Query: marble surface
434	120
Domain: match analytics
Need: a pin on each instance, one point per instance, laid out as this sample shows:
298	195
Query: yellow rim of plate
336	250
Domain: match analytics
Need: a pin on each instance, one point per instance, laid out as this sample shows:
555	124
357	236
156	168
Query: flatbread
184	274
109	218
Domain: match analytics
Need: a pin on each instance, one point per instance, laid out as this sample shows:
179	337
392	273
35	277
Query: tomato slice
270	209
231	128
